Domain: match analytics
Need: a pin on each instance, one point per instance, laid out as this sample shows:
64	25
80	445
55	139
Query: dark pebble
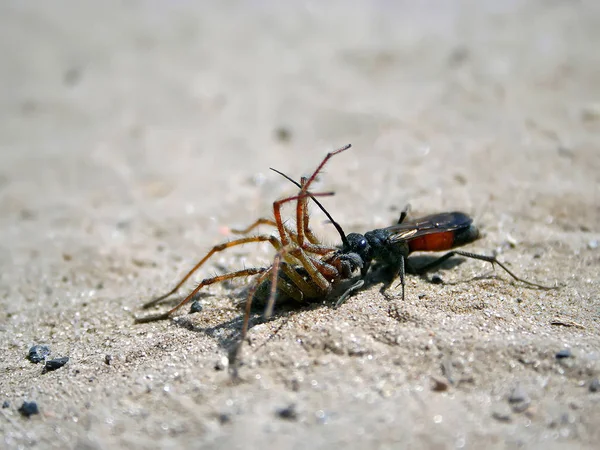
502	414
288	413
224	418
436	279
594	385
439	385
38	353
6	404
283	134
222	364
108	359
195	307
518	395
28	409
564	353
54	364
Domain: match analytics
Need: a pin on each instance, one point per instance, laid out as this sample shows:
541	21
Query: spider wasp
304	269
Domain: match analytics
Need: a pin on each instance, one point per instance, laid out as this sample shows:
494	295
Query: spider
303	268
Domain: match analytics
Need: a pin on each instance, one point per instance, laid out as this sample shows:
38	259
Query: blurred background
133	133
186	104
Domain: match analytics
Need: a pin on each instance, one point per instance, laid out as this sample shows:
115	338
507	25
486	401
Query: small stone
593	244
436	279
519	400
288	413
28	409
564	353
439	385
108	359
195	307
222	363
55	364
594	385
502	413
224	418
38	353
5	404
518	395
590	112
283	134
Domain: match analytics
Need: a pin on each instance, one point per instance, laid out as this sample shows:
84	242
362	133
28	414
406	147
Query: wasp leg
402	274
404	213
491	259
360	283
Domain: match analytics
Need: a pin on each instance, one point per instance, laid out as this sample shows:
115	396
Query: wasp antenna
335	224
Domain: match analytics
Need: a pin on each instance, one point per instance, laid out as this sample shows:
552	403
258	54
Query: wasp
392	245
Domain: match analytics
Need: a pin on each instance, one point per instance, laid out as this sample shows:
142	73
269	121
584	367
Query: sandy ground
132	134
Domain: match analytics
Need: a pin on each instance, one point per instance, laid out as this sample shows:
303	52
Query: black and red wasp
392	245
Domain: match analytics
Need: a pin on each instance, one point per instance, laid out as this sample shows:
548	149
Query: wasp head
358	252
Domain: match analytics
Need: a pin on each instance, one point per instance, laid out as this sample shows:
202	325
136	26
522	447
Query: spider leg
234	352
206	282
320	273
305	226
253	225
300	210
313	245
263	221
285	237
217	248
299	238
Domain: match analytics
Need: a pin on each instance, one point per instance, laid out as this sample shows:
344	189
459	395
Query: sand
133	134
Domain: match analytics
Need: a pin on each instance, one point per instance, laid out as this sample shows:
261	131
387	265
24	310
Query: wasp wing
434	223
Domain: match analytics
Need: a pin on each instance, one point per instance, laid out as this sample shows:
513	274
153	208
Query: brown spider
303	268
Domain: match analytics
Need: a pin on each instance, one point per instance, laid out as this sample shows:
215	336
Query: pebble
222	363
54	364
564	353
288	413
436	279
195	307
594	385
224	418
518	395
38	353
283	134
28	409
519	400
502	413
439	385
